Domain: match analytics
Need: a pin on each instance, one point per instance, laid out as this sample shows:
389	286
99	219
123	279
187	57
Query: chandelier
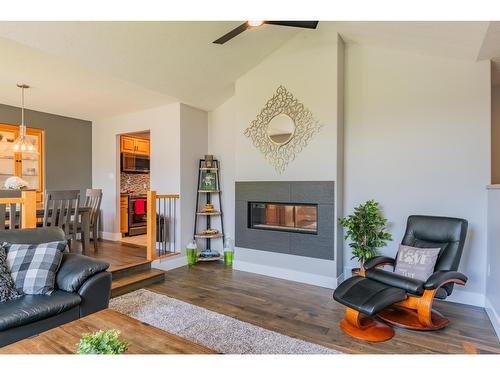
22	144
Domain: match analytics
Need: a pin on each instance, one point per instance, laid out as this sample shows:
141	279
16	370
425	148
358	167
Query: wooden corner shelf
207	259
209	191
217	235
214	213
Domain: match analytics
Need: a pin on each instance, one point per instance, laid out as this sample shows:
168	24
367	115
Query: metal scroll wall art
282	129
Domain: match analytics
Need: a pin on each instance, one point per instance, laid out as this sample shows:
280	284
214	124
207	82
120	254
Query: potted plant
366	229
102	342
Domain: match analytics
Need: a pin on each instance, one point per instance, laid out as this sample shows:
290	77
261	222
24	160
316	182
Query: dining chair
7	220
93	198
61	210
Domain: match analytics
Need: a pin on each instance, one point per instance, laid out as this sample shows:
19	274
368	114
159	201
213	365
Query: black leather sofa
83	286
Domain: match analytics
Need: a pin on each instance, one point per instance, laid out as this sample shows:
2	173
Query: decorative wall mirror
282	129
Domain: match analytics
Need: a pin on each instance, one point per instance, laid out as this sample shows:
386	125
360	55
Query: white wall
221	134
194	145
307	66
417	140
492	274
495	135
163	122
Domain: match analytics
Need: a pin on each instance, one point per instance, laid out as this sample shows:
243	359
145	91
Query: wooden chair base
365	328
407	318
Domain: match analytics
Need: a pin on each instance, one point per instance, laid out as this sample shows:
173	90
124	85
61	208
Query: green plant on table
101	342
366	229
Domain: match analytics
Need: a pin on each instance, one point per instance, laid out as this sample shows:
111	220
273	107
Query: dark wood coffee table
141	337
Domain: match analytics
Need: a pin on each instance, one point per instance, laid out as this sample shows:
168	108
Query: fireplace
288	217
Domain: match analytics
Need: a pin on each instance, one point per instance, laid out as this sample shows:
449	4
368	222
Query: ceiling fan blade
302	24
230	35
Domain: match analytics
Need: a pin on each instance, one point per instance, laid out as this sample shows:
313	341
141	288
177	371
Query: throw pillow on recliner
33	267
415	262
8	288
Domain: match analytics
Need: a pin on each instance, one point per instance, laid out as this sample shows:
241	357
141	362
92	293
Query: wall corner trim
494	316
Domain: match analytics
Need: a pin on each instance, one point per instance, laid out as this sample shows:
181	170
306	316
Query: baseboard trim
467	298
170	263
287	274
110	236
493	315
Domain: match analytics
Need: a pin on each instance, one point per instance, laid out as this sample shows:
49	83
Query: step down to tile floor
135	276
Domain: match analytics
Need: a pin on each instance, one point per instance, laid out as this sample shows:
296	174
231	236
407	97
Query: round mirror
281	129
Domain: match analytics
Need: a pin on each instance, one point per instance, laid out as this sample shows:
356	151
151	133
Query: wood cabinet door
127	144
31	165
27	166
142	146
123	214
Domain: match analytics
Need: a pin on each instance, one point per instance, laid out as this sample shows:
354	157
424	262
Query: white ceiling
173	58
96	69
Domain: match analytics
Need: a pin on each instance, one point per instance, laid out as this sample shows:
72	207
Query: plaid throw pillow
34	267
8	289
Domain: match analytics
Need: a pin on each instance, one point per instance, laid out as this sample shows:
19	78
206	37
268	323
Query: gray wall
68	147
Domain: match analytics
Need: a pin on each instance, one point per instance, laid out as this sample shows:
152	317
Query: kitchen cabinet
29	167
132	145
142	146
127	144
124	213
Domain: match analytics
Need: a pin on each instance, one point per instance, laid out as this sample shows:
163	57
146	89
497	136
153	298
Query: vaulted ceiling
96	69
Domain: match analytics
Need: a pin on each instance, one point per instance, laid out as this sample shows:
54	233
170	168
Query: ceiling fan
254	24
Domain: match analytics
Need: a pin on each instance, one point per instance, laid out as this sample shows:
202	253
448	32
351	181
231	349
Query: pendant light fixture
21	144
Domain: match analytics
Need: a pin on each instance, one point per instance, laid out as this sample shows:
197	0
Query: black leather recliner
82	287
378	292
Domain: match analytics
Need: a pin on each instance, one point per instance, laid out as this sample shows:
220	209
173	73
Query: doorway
134	185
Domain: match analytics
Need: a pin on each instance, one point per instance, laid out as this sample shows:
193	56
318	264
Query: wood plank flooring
117	254
309	312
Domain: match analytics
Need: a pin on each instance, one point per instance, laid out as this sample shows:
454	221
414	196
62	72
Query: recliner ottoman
363	296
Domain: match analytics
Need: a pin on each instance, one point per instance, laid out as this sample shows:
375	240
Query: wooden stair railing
161	225
27	203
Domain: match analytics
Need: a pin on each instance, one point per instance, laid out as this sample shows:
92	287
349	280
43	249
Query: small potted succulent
366	229
102	342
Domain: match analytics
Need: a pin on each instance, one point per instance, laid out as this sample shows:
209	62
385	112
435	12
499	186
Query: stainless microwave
132	163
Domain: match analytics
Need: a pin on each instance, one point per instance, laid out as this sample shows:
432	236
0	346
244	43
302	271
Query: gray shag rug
213	330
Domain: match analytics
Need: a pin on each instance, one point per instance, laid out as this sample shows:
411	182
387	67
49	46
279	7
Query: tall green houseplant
366	229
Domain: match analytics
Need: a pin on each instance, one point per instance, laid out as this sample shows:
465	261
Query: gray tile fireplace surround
320	245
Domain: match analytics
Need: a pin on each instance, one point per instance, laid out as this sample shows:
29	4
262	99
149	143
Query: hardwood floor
115	253
310	313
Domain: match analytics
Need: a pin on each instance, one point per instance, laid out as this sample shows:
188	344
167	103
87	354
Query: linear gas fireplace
288	217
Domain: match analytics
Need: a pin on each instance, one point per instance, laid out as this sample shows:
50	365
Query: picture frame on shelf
208	181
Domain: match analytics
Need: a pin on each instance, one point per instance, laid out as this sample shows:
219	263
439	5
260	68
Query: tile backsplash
135	182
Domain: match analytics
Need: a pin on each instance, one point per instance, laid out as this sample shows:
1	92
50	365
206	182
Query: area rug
216	331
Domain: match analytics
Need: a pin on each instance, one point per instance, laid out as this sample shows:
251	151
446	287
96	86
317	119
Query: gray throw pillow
415	262
8	289
34	267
